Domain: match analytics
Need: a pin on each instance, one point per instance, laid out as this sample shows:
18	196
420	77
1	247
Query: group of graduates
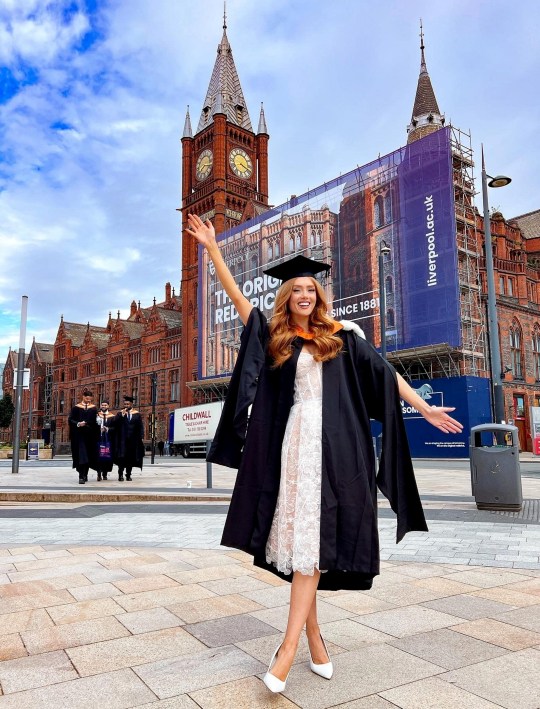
100	438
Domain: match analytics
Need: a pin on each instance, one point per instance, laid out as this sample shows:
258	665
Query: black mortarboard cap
127	398
296	267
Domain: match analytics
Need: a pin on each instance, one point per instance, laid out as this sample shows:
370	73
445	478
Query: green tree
6	410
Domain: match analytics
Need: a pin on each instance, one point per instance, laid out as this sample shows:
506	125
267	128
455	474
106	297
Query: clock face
240	163
204	165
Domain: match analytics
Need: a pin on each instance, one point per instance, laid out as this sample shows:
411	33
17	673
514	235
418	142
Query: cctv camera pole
19	384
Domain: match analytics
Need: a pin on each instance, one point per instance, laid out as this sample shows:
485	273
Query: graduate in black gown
357	385
83	433
129	446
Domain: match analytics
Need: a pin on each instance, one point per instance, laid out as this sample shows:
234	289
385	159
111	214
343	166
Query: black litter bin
495	473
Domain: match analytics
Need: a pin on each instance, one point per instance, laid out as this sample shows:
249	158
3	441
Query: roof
224	93
529	224
46	351
424	101
77	332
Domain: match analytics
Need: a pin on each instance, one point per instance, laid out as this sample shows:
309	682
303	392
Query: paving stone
92	567
62	565
163	597
212	573
241	584
45	599
444	586
11	647
530	585
357	674
470	607
359	603
35	671
101	575
24	588
523	617
372	702
447	648
24	620
271	597
404	594
511	681
248	693
434	693
84	610
198	671
73	634
218	607
407	621
499	633
133	650
277	617
114	690
181	702
94	591
146	583
505	594
488	578
351	635
233	629
152	619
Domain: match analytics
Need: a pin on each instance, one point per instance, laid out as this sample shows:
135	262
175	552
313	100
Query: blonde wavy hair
283	330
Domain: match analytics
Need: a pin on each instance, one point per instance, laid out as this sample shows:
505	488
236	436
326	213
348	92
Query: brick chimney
167	292
133	308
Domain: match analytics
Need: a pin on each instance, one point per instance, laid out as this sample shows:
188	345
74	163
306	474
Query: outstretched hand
438	417
202	231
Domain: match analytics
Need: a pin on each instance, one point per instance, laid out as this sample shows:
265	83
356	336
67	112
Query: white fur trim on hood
350	325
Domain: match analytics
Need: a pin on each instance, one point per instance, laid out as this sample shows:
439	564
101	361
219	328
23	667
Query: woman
105	421
304	503
83	433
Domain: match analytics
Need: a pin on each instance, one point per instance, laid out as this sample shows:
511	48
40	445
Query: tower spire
225	91
262	122
426	116
188	133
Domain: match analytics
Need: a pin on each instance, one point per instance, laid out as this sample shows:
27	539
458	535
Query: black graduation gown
107	436
83	438
357	385
128	443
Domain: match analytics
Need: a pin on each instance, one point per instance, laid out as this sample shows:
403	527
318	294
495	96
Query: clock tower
224	179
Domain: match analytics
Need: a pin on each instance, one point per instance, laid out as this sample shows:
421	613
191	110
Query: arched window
254	264
536	352
277	250
378	212
389	285
390	318
516	354
270	252
387	208
291	244
298	241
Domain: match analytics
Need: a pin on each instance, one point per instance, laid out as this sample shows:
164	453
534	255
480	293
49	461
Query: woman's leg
303	591
313	632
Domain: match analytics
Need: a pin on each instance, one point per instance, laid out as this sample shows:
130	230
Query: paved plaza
134	604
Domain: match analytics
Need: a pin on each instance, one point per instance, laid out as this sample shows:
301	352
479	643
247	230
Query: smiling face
303	297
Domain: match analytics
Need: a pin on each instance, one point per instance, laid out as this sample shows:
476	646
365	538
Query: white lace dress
294	540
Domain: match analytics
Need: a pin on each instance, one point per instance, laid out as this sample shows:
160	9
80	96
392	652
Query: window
389	285
291	244
515	350
501	285
390	318
135	388
134	359
174	351
154	355
387	209
72	374
174	384
100	393
270	252
378	212
87	369
195	347
116	394
510	286
298	241
101	366
117	363
536	352
277	250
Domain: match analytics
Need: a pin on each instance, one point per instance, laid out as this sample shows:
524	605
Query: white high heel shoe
273	683
325	670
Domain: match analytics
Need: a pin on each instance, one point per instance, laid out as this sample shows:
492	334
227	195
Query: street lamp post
153	377
384	249
19	384
493	325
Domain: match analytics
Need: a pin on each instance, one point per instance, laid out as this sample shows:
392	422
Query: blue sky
93	95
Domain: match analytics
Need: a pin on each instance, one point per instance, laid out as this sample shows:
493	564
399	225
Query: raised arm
205	235
436	415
